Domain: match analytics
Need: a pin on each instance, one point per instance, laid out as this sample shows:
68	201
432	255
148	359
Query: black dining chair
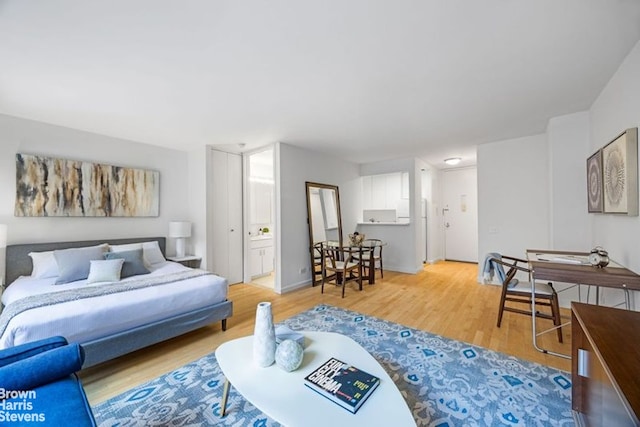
339	264
372	259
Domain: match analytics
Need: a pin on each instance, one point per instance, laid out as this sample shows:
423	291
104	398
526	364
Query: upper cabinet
385	193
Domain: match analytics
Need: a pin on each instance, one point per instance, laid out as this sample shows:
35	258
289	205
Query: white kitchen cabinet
384	191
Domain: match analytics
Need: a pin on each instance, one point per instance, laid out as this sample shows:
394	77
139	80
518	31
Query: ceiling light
452	161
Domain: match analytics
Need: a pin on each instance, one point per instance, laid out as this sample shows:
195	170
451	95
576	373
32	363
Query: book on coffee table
343	384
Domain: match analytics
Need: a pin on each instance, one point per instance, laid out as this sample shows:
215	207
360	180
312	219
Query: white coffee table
284	397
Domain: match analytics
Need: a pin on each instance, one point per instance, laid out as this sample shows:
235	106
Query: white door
235	218
460	214
225	215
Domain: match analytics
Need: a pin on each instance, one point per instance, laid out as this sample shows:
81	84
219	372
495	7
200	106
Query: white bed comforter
91	318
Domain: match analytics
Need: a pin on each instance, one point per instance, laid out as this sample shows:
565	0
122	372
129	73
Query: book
285	333
343	384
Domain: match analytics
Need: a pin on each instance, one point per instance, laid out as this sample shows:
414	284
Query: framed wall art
594	183
47	186
620	174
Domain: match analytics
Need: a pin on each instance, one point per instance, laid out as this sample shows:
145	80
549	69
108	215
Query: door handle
446	225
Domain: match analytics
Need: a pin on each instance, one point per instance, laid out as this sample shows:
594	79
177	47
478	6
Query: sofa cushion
60	403
42	368
23	351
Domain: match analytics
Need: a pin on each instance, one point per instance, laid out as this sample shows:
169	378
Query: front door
460	214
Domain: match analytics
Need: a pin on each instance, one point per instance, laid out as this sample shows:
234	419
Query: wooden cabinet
262	255
605	366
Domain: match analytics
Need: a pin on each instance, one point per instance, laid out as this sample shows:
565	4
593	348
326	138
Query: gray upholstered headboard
19	262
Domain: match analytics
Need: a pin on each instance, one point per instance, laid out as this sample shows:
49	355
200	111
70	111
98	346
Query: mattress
88	319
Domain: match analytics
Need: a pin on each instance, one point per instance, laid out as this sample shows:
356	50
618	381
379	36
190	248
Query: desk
573	267
604	366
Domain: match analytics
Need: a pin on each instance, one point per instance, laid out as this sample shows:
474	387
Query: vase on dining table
264	336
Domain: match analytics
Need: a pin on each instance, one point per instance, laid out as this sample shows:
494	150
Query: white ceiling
366	80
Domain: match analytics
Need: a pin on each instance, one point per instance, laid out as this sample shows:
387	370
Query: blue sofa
38	385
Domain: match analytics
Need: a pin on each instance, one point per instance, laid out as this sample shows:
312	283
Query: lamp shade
3	235
179	229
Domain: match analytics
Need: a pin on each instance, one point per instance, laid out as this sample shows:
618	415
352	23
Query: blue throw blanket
35	301
490	268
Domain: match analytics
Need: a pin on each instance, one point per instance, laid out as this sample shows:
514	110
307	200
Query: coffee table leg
225	395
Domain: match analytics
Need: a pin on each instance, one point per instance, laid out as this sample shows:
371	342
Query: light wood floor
443	299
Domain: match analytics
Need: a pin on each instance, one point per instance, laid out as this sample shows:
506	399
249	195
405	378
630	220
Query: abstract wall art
47	186
594	182
620	174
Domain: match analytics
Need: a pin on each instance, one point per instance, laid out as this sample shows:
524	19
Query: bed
138	311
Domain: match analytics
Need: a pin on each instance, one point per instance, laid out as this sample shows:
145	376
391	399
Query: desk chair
340	264
373	258
519	292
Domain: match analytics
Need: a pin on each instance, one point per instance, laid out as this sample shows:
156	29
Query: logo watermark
17	406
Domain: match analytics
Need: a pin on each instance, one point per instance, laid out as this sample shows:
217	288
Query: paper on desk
568	259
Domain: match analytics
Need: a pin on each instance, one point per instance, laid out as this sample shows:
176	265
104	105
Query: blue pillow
74	263
133	262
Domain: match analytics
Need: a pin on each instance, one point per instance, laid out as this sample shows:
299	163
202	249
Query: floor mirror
324	221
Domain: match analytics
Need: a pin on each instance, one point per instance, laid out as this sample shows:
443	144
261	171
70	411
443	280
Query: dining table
361	249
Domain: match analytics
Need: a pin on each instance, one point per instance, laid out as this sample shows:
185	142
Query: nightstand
187	260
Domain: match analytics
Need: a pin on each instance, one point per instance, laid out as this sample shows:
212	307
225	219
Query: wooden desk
613	276
605	372
545	266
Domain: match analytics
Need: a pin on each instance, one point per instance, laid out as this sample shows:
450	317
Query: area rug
445	382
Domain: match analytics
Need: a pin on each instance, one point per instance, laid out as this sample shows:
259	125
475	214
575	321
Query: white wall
568	141
616	109
30	137
513	196
198	196
297	165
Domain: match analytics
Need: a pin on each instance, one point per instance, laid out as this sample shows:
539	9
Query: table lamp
180	230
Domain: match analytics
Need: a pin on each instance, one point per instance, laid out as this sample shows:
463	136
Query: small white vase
264	336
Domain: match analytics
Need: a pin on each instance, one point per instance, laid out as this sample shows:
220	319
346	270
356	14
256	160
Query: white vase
264	336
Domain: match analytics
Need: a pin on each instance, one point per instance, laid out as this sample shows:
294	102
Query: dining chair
373	258
317	263
519	292
339	264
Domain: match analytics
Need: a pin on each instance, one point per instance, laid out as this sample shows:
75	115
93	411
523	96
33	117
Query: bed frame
109	347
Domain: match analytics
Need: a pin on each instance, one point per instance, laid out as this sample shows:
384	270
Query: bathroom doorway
261	218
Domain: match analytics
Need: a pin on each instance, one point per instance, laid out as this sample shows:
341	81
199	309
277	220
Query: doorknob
232	229
446	224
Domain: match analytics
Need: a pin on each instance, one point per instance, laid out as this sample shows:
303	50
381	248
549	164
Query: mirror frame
309	186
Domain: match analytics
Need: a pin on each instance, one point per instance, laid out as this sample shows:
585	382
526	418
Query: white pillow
44	265
107	270
124	248
152	253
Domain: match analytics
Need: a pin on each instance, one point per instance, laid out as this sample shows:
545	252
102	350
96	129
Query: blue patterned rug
445	382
